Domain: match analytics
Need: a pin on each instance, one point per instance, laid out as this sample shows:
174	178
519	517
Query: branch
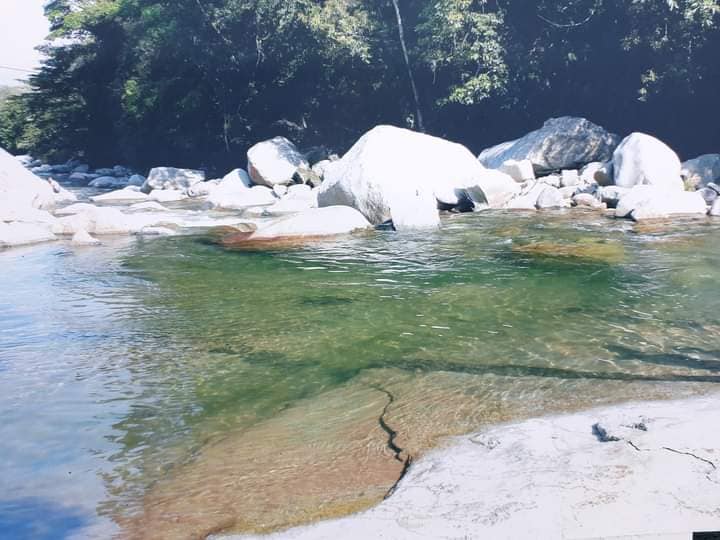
593	11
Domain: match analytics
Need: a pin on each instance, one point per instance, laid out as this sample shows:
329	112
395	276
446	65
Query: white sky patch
23	27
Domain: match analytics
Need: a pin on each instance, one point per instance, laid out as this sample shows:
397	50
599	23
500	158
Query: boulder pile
391	177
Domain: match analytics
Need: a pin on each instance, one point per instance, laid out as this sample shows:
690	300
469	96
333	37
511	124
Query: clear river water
174	388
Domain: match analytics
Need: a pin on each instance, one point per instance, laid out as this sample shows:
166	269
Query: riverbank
649	470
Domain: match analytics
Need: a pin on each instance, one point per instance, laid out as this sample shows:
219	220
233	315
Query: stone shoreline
649	470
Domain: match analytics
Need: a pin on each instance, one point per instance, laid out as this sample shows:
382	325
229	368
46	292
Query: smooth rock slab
20	234
552	478
317	222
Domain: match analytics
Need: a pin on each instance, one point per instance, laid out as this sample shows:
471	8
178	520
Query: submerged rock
83	238
561	143
643	159
317	222
274	162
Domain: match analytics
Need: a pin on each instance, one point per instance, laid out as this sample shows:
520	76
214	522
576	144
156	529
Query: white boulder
274	161
202	189
394	172
550	197
238	175
172	178
649	202
520	171
20	187
643	159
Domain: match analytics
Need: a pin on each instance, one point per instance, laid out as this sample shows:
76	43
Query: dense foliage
194	82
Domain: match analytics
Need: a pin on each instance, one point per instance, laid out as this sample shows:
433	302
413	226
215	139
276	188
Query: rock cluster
390	177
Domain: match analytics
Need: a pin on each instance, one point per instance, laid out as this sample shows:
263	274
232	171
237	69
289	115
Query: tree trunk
416	97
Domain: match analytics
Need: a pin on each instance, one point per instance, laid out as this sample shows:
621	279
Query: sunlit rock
648	202
20	187
391	170
643	159
274	161
520	171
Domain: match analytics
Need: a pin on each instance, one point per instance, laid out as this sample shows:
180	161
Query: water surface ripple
173	388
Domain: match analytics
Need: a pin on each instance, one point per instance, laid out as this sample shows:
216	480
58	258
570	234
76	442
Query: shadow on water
37	519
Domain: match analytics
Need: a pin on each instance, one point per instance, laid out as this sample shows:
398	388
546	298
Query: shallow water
172	388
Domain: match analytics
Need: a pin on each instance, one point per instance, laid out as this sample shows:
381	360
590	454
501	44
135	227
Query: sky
22	28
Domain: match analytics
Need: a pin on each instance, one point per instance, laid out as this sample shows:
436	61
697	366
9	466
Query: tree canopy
195	82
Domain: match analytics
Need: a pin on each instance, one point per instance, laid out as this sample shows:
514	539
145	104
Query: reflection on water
172	388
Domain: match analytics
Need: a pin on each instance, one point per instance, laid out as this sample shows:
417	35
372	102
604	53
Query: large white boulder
394	173
20	187
172	178
561	143
702	170
643	159
274	162
328	221
650	202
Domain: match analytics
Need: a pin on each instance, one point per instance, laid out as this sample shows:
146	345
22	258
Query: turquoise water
177	386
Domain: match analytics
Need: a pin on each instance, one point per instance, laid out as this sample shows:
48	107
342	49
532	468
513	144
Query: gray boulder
641	159
172	178
561	143
702	170
109	182
274	162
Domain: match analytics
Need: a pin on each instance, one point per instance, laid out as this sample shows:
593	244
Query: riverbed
173	387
